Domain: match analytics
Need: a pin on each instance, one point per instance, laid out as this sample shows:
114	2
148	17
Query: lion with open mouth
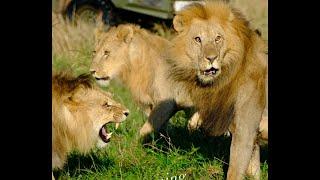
81	114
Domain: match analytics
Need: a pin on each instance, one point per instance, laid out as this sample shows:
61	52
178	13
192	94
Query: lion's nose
126	113
211	58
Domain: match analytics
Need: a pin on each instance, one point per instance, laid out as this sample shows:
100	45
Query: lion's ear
97	32
125	33
100	26
179	23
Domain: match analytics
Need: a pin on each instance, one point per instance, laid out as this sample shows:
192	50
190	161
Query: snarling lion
222	64
81	113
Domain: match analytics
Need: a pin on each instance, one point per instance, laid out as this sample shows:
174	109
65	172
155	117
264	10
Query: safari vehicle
113	9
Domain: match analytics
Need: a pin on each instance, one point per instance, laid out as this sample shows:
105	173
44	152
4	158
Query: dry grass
163	31
69	39
72	44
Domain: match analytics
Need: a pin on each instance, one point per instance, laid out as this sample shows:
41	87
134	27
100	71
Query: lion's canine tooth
117	125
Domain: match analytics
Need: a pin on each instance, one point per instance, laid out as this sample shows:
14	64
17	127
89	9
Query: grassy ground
173	151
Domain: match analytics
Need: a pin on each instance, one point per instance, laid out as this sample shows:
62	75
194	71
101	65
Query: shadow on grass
175	134
213	148
82	164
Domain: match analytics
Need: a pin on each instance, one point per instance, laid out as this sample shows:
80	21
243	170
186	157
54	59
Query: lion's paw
194	122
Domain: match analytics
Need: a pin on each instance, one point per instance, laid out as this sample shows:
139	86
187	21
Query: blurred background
73	20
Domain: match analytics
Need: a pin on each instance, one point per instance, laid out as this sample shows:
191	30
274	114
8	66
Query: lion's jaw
106	73
208	72
104	82
117	114
104	134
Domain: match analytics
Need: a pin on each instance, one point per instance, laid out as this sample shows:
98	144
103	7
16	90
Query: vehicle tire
88	10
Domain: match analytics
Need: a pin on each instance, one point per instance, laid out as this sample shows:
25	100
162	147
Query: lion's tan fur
222	94
143	68
74	122
236	98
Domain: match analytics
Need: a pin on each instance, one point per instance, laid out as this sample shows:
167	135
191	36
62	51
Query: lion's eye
218	39
106	104
106	53
197	39
94	52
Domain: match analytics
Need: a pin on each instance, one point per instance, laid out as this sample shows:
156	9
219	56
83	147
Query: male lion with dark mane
80	115
222	65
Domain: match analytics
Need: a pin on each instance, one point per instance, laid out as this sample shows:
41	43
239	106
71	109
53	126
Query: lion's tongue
104	131
104	135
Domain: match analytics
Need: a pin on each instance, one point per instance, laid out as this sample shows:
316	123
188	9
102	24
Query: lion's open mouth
103	78
104	134
210	72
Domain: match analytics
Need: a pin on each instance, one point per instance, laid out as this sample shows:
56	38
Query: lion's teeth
109	135
117	125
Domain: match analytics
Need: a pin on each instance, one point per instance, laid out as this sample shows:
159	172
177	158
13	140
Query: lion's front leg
244	145
240	155
263	129
254	164
160	114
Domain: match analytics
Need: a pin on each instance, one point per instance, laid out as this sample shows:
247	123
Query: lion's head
111	53
86	111
209	45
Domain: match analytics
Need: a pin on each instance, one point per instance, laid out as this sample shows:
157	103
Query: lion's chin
100	144
207	77
205	80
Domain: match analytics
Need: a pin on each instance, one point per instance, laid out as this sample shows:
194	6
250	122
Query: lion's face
110	54
96	109
206	47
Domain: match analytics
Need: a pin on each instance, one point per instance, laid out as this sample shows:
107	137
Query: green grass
172	152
